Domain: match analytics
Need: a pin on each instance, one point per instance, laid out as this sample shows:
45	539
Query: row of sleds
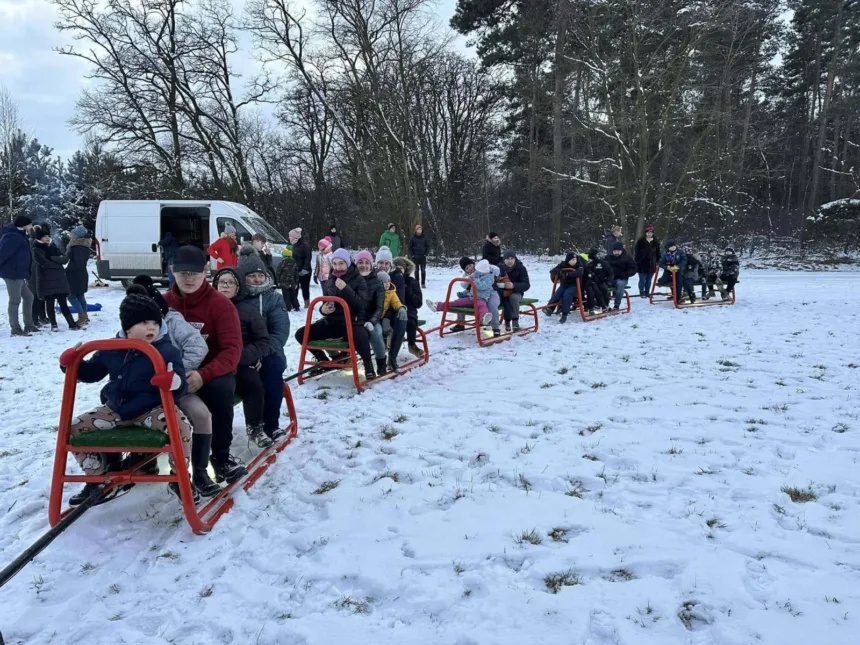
154	443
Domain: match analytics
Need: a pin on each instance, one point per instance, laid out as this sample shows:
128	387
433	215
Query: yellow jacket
391	301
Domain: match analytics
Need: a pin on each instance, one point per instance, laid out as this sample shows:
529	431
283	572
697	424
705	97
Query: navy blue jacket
129	392
15	255
623	266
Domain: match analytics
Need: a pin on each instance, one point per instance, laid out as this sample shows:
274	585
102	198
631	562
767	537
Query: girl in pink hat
323	264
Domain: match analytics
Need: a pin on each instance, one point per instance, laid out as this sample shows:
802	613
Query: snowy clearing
619	481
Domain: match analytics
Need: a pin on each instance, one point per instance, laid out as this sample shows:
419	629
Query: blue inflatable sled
74	310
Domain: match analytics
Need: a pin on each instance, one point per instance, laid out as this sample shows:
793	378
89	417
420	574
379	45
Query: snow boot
497	333
20	332
33	329
549	311
563	319
381	366
515	325
92	489
227	467
201	444
507	326
276	434
393	353
431	305
457	328
82	319
486	318
416	351
369	373
257	434
173	487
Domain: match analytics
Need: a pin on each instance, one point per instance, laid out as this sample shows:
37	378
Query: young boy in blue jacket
130	397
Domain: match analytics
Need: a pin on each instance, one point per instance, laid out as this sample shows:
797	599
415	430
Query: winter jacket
215	317
376	298
52	277
492	253
392	302
678	259
599	272
694	270
609	240
336	241
78	250
169	247
302	256
712	265
419	247
392	241
265	258
185	337
517	275
731	267
16	257
287	276
129	392
355	294
322	269
223	248
568	278
623	266
484	283
647	254
414	298
273	310
398	281
256	343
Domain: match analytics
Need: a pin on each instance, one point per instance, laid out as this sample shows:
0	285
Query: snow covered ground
618	481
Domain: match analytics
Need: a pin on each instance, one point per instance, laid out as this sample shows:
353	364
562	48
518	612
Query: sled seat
579	301
336	343
122	437
525	302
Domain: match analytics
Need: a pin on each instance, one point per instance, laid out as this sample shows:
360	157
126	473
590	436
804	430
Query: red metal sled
347	346
672	296
200	520
449	317
583	313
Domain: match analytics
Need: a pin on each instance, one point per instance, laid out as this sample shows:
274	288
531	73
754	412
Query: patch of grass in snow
114	588
790	609
590	430
558	534
555	581
494	429
715	523
327	486
799	496
600	385
674	450
563	371
321	396
708	471
526	449
116	617
760	422
779	509
620	575
852	366
590	457
459	568
575	488
361	606
388	432
86	567
840	428
524	483
530	537
546	386
727	363
832	599
206	592
776	407
401	418
167	555
393	476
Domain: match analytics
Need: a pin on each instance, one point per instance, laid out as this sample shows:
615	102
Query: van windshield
262	226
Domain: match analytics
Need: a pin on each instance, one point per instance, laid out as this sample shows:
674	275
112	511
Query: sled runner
580	304
658	297
485	337
346	347
138	439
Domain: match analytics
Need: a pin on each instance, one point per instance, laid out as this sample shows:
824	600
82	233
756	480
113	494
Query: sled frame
673	295
583	312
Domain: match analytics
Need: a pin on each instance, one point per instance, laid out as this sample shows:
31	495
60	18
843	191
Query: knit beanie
364	255
288	251
296	232
617	246
382	276
509	254
140	289
465	261
342	254
229	229
384	255
250	262
593	253
649	227
136	308
670	244
483	266
729	249
324	243
80	232
21	221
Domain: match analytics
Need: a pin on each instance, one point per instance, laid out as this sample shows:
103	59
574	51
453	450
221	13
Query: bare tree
10	126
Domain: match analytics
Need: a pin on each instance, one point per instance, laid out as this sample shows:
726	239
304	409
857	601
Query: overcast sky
46	84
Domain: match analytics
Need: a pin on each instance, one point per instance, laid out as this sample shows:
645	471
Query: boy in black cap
131	398
730	269
598	277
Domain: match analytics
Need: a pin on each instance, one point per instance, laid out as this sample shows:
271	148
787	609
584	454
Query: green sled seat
122	437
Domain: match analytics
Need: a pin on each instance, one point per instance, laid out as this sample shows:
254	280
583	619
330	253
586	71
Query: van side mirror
154	248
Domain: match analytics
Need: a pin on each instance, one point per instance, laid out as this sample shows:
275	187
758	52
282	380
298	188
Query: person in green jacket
391	239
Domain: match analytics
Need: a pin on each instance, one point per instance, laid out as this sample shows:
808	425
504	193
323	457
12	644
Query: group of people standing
39	276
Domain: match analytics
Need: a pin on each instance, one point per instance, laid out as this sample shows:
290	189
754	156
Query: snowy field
612	482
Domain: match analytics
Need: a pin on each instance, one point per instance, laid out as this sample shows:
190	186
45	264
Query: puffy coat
731	266
484	283
600	272
226	249
419	247
492	253
322	269
336	241
414	298
670	259
694	270
623	266
273	311
355	294
392	302
215	317
16	258
517	275
287	275
568	278
647	254
376	298
302	256
78	250
49	266
398	281
712	265
392	241
192	348
129	392
609	240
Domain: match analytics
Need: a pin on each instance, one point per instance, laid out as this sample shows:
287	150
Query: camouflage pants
103	418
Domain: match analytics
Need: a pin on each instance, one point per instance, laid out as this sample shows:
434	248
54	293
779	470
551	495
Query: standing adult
15	267
611	238
419	249
391	239
512	285
623	268
336	238
40	316
53	287
215	382
647	255
225	249
78	250
493	249
302	257
169	247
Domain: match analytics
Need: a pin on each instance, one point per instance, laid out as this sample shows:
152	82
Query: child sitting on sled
131	397
729	272
483	274
394	315
567	273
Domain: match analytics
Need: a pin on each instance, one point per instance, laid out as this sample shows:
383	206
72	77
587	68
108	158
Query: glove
303	272
167	380
386	326
316	280
673	269
368	326
401	315
68	356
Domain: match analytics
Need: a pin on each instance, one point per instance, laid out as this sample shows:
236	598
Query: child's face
470	268
339	265
146	331
673	248
255	279
364	266
258	244
572	262
227	286
45	239
387	284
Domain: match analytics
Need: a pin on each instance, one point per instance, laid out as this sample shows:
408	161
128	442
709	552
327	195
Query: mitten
368	326
386	326
167	380
401	315
303	272
67	357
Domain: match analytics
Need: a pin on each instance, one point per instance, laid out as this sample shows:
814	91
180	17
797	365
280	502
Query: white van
128	233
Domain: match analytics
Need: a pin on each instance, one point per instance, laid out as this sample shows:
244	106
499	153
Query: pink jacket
323	266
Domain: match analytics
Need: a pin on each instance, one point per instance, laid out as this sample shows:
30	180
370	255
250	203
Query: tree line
713	119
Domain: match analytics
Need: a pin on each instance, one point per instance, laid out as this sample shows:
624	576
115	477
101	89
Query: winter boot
307	302
227	467
201	444
393	353
457	327
17	331
515	325
549	311
381	368
563	319
276	434
173	487
416	351
507	326
486	318
32	329
257	434
92	489
54	327
431	305
369	373
82	319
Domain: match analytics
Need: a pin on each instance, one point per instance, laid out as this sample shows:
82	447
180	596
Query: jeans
511	306
272	374
19	292
376	341
79	302
687	284
645	280
620	286
218	394
566	294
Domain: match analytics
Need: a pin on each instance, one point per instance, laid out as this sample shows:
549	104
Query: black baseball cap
189	258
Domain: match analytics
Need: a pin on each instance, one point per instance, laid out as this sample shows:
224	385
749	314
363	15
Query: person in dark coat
647	255
568	273
169	246
16	261
598	278
53	287
413	301
336	238
255	347
512	284
623	268
40	316
611	238
373	313
419	249
302	257
730	270
78	250
493	249
344	282
673	262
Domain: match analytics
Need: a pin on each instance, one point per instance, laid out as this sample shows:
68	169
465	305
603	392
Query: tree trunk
739	174
560	73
